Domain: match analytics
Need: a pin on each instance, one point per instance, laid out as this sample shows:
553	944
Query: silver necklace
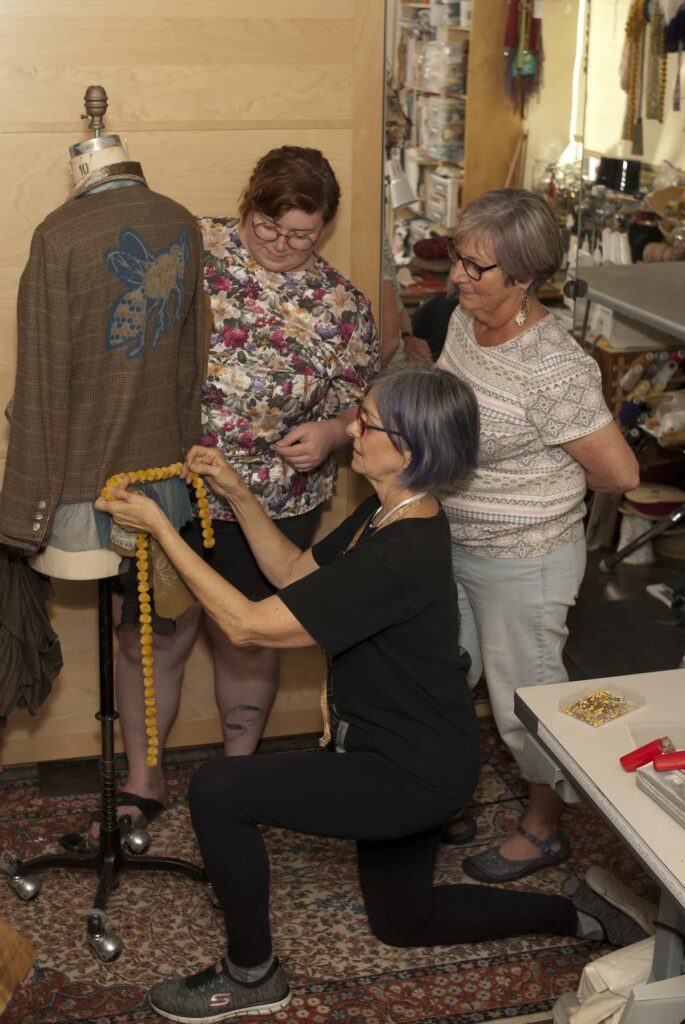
407	501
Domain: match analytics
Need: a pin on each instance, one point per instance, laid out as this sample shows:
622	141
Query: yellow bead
143	575
148	671
147	661
151	762
208	543
151	730
145	630
202	504
200	491
143	587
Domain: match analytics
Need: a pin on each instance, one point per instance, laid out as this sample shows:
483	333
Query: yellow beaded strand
147	660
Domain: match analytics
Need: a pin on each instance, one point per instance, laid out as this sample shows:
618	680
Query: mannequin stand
110	857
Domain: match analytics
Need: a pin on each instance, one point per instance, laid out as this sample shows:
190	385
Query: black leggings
355	795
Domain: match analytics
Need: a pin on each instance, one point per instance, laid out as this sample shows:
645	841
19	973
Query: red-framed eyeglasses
364	425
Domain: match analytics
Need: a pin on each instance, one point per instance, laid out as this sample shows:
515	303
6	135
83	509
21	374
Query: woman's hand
132	510
307	445
210	464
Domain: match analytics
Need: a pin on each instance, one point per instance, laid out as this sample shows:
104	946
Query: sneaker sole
620	928
624	899
264	1010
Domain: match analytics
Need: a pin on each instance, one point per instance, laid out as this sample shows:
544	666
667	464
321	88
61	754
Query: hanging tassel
638	148
676	82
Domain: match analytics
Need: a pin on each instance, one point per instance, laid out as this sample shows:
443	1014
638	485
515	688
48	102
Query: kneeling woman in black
377	594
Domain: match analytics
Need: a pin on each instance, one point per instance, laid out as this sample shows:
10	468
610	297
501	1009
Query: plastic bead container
599	706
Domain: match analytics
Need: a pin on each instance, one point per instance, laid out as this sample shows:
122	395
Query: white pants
513	624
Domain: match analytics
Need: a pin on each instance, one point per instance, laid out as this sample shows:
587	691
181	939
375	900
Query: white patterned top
535	393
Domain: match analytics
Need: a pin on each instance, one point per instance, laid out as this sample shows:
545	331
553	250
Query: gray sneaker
212	995
621	926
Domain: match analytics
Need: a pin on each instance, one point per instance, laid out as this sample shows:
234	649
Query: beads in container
143	576
597	707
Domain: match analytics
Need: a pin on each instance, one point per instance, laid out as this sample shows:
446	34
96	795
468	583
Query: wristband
406	334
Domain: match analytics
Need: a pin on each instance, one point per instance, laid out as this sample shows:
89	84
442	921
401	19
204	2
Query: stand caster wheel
26	887
137	840
106	947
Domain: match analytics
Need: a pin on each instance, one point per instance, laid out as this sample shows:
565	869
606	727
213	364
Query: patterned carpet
340	974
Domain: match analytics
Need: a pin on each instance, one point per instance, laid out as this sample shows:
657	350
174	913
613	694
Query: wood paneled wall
199	92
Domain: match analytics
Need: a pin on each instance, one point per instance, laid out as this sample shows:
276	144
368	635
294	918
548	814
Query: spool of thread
636	370
660	380
658	361
642	388
629	412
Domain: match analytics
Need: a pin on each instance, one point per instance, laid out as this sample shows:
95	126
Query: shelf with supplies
449	69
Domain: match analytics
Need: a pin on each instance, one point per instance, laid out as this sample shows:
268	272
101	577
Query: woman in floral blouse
292	352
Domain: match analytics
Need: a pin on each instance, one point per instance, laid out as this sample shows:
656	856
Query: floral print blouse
285	348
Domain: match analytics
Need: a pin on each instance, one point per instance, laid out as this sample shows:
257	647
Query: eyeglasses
471	269
300	241
364	425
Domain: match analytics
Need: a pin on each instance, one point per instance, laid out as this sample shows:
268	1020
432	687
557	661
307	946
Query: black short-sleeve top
385	611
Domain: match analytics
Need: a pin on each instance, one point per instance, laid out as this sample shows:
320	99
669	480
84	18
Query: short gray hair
520	228
436	415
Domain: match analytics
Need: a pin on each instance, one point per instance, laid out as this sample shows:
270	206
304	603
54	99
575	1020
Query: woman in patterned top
292	352
518	546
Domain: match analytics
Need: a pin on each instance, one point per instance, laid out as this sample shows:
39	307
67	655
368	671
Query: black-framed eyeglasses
299	241
364	425
471	268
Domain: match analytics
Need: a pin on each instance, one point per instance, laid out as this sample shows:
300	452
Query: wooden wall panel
199	92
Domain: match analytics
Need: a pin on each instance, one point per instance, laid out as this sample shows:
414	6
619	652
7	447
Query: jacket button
42	504
38	516
35	527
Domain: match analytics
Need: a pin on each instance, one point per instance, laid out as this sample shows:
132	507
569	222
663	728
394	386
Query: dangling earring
522	314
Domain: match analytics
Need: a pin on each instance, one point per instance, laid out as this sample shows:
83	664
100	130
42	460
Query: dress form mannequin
85	158
110	304
109	367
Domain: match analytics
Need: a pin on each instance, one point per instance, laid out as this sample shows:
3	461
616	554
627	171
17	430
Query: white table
652	293
589	759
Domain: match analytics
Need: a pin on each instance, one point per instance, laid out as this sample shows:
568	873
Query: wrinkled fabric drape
30	652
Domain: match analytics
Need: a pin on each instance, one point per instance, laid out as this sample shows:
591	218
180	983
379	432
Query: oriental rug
339	972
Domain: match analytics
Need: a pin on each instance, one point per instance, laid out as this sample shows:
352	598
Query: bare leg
245	679
170	653
539	818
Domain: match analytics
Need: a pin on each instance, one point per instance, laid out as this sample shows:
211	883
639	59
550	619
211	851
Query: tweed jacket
110	356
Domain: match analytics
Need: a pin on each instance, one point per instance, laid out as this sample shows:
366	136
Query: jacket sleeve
37	452
194	348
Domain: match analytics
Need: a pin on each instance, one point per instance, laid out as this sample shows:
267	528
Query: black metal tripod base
110	857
